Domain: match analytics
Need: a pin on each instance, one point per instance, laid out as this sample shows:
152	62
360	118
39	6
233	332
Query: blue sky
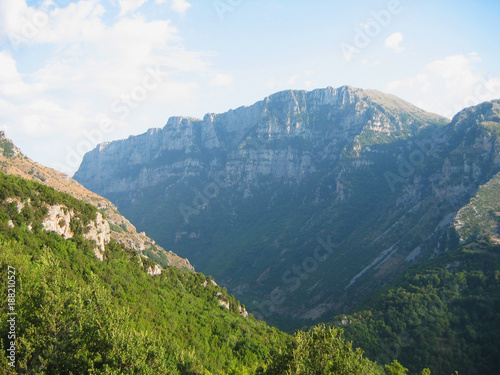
76	73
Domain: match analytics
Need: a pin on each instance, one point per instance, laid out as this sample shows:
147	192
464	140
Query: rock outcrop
59	218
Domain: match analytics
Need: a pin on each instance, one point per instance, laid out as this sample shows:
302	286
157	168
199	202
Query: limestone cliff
265	139
59	220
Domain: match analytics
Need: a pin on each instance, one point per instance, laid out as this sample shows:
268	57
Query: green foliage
84	316
321	350
395	368
481	217
35	197
70	327
115	228
6	146
442	316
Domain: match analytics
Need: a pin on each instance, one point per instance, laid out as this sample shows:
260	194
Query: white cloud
89	62
222	80
127	6
447	86
11	82
25	25
180	6
293	79
394	42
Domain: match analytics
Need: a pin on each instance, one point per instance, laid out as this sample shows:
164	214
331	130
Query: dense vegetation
444	316
6	146
480	219
78	315
34	197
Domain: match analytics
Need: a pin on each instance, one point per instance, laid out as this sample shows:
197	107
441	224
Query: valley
253	195
347	211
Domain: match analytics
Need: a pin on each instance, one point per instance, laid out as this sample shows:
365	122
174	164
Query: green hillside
78	315
444	315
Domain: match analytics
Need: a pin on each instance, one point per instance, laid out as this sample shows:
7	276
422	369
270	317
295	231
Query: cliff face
283	136
59	220
305	202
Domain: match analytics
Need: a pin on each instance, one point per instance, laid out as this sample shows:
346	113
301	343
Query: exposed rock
248	142
243	311
58	219
155	271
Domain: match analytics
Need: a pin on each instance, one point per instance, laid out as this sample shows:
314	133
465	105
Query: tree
395	368
321	350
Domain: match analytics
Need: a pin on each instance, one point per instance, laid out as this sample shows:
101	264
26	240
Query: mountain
12	161
305	203
68	312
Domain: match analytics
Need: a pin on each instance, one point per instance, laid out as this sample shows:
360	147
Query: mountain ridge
249	195
216	132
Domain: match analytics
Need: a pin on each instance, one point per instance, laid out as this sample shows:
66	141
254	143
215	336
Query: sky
74	74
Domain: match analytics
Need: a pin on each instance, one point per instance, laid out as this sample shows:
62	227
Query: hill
12	161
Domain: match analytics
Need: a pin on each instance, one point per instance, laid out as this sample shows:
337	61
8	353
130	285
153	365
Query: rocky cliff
59	219
265	139
306	202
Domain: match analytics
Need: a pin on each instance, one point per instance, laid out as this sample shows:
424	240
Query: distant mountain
12	161
305	203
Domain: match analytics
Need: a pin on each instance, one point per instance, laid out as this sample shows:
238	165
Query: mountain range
345	207
306	203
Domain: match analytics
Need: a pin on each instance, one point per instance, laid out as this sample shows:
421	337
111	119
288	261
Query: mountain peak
486	111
